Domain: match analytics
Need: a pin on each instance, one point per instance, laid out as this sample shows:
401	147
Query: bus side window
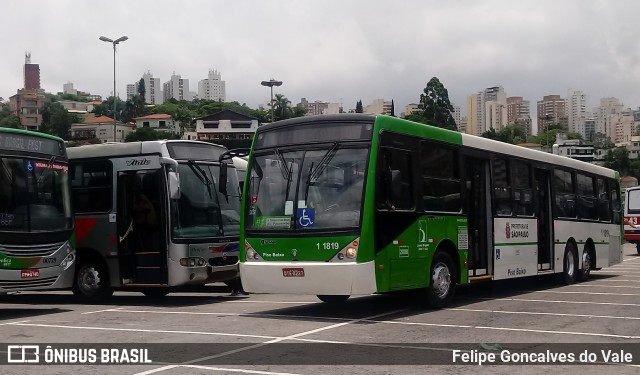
604	201
501	187
394	180
565	198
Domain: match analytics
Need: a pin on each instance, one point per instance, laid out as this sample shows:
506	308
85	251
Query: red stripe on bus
632	237
84	227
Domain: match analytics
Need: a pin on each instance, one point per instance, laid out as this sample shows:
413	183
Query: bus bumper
319	278
48	278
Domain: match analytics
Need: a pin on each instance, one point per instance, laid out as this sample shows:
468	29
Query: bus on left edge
37	244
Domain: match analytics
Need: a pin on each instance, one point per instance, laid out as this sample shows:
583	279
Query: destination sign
28	143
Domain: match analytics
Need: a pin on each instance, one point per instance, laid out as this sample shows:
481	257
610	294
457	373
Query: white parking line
603	286
567	333
630	259
552	301
617	281
625	274
275	302
99	311
590	293
547	313
140	330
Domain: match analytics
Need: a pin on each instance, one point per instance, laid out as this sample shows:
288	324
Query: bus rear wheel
91	283
570	264
585	271
332	299
442	284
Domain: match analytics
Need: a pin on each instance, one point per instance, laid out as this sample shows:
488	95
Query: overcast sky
332	50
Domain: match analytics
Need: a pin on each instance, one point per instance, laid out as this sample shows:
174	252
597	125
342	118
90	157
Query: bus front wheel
332	299
570	264
442	284
91	283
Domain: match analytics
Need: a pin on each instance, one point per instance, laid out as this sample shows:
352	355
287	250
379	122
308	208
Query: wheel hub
441	280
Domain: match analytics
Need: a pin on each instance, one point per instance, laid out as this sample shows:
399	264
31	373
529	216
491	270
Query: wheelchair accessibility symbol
306	217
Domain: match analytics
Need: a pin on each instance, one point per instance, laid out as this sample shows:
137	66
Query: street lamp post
272	82
114	42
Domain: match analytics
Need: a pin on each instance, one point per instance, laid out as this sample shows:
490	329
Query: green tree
601	140
359	108
282	108
618	159
142	90
435	107
8	119
144	134
299	111
106	108
60	121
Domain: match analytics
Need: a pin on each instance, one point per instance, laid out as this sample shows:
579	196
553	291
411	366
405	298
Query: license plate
29	274
293	272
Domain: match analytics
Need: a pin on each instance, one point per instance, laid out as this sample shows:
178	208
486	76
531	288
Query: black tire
570	264
442	283
155	292
585	272
638	247
91	281
333	299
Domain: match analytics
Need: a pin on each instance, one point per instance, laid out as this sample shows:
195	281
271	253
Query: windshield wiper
201	174
287	171
323	164
49	165
283	164
308	183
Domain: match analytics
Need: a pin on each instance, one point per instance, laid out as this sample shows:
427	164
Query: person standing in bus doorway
145	221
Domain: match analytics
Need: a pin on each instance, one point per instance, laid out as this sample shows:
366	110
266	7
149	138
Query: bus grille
30	250
19	284
227	261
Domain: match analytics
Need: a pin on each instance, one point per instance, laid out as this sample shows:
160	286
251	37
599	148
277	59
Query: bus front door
479	217
142	247
543	213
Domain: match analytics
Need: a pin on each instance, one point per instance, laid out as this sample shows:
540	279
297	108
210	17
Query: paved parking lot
215	333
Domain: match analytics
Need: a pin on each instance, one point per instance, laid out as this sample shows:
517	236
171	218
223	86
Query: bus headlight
351	253
192	262
252	254
68	261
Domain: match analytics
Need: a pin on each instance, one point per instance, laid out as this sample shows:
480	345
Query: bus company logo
50	260
138	162
23	354
507	231
5	262
267	242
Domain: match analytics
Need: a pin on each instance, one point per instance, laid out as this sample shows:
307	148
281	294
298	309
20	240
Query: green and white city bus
154	216
357	204
36	222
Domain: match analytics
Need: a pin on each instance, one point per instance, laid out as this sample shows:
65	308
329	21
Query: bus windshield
314	189
202	210
34	195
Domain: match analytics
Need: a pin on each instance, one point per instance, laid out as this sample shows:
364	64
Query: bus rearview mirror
174	185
